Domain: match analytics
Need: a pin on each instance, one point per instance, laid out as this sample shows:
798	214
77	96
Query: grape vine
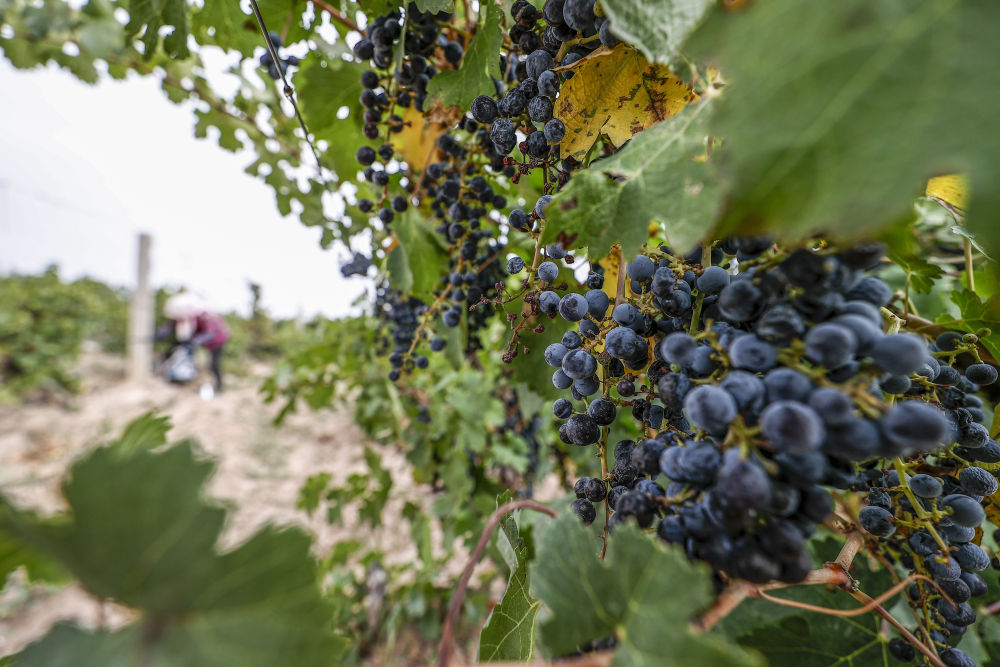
670	254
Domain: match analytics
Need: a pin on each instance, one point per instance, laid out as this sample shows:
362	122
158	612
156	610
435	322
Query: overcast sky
84	168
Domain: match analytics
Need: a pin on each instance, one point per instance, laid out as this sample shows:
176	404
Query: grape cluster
759	388
267	62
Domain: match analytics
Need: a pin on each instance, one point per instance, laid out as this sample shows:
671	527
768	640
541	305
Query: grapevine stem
920	646
738	591
337	16
969	274
538	248
448	629
989	610
706	260
917	507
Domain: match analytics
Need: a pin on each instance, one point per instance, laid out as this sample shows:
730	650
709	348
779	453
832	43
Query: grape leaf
435	6
660	176
225	25
327	90
838	113
627	595
416	141
617	93
480	65
952	189
906	252
975	314
509	633
658	29
788	636
150	16
422	249
138	532
15	553
988	630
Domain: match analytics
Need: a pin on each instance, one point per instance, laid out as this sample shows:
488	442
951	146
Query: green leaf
642	593
457	88
435	6
658	29
837	113
423	250
988	631
145	432
225	25
15	553
905	250
975	314
312	491
148	17
509	633
138	532
325	88
656	177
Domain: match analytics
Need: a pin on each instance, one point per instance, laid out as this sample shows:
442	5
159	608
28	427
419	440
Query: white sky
84	168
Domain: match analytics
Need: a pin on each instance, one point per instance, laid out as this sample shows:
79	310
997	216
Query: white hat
183	306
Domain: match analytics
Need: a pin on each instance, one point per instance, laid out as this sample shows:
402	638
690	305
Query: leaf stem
447	644
969	273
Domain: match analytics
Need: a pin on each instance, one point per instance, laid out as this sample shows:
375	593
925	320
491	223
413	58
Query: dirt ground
260	469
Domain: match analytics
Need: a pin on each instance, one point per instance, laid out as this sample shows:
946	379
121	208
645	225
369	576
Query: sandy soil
260	469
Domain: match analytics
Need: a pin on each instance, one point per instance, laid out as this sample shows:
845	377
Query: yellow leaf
610	265
951	188
617	93
416	141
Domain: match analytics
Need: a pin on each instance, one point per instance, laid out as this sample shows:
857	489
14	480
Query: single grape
902	650
981	374
830	345
602	410
640	269
925	486
877	521
515	265
787	384
752	354
792	427
965	511
914	426
899	354
579	364
573	307
562	408
977	481
548	301
585	510
747	390
712	280
871	289
580	429
548	272
832	405
971	557
554	130
554	354
678	348
710	408
739	301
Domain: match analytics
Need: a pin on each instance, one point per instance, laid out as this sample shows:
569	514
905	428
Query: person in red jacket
193	323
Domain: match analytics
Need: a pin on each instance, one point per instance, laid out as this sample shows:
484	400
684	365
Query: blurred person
193	324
